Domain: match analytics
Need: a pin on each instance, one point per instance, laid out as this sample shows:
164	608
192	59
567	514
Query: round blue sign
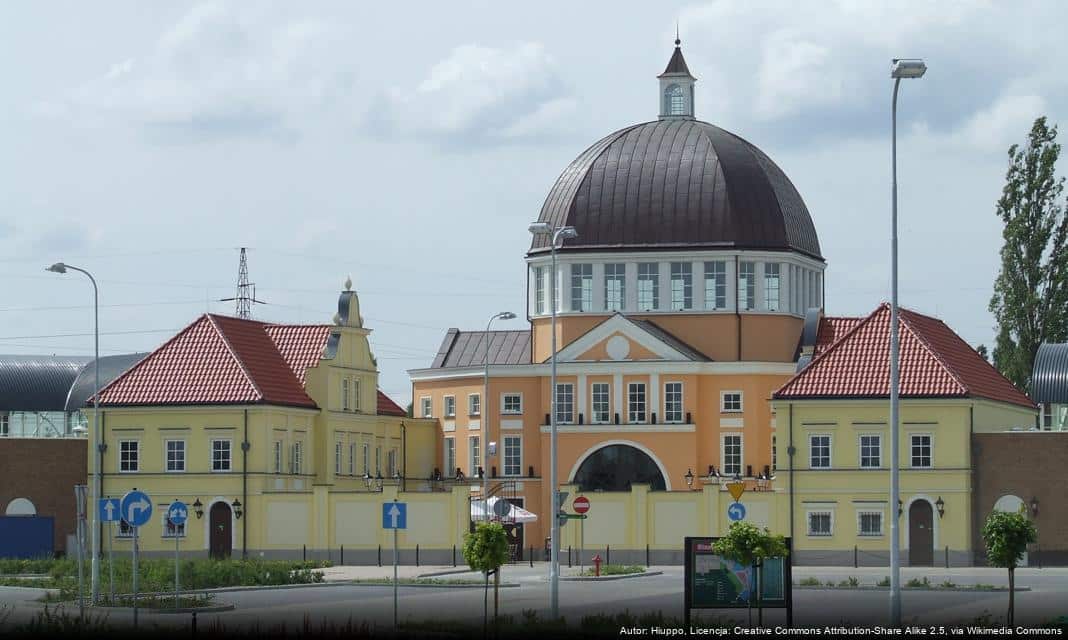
736	511
177	513
136	508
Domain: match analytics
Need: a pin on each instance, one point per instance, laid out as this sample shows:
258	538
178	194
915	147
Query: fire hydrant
597	565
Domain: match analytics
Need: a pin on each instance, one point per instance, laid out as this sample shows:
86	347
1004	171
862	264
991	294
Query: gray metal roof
677	183
468	348
111	367
1049	378
37	383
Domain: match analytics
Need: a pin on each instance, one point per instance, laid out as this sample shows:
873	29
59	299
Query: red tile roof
935	362
831	329
386	406
301	345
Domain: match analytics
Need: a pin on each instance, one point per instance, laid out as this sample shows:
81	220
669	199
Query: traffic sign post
736	489
136	510
80	491
108	511
581	505
736	512
395	516
177	514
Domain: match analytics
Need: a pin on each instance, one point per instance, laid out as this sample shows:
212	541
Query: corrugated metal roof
1049	378
111	367
468	348
37	383
677	183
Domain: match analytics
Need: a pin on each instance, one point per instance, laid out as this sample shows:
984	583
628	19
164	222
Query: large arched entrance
616	467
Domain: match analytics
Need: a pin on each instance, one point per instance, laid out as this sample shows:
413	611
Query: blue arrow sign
395	515
177	513
108	510
136	508
736	511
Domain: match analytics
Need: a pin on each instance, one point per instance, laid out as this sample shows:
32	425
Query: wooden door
221	538
921	534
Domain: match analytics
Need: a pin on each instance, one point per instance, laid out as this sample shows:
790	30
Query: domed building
681	297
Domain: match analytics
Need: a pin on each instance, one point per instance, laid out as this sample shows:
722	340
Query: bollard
194	623
380	555
597	565
417	555
607	554
646	556
568	556
304	553
947	556
454	555
530	555
854	556
343	555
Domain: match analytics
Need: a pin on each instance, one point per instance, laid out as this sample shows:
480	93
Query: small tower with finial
677	86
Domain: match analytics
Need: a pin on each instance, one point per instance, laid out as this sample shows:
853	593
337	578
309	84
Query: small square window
474	404
922	451
732	402
220	455
819	452
870	523
175	455
513	404
129	456
450	407
820	523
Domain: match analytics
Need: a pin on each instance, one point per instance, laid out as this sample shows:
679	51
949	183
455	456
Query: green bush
885	582
615	570
810	582
851	581
916	582
947	584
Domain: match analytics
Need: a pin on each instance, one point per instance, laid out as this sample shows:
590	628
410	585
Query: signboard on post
713	582
736	490
395	516
110	510
736	511
136	510
177	514
581	504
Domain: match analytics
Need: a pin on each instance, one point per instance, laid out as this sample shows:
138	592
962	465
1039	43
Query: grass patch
164	601
916	582
615	570
948	584
421	581
851	581
810	582
885	582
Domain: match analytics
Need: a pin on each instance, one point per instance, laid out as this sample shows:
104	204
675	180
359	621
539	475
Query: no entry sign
581	504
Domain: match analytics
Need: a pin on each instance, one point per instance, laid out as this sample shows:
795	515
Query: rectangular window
475	456
170	530
220	455
771	286
615	286
636	402
513	455
716	285
337	458
175	455
582	287
391	463
681	286
124	531
870	523
344	394
921	451
819	523
355	395
278	456
5	428
539	288
296	459
378	461
600	402
565	403
129	456
819	448
450	406
673	402
732	455
731	402
366	459
449	457
352	459
513	404
774	454
474	404
427	407
648	286
747	286
871	456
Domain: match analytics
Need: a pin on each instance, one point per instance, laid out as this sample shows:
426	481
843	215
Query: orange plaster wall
568	328
600	351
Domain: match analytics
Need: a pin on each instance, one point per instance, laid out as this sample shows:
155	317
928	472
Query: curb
877	588
431	586
449	572
148	610
606	578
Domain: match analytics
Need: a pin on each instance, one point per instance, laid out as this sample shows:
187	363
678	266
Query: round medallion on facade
618	348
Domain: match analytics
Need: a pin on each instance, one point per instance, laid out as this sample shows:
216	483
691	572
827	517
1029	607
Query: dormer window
674	102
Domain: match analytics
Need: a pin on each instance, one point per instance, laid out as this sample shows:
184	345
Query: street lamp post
555	236
483	406
907	68
59	267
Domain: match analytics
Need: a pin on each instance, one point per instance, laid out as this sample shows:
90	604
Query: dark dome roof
677	183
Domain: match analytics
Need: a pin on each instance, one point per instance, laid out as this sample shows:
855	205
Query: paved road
1047	599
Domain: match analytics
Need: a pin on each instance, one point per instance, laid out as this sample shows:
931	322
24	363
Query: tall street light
59	267
555	235
900	68
483	407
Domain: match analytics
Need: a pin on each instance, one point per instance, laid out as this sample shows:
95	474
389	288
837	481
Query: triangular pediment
621	339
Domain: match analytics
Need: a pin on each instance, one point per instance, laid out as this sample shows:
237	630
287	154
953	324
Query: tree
982	350
1007	535
485	550
410	410
1030	301
749	545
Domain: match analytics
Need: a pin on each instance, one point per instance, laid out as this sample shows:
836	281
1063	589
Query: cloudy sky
409	144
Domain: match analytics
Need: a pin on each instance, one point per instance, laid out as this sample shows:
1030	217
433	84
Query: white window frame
504	403
569	417
356	394
445	406
378	460
772	273
426	406
615	272
278	456
812	451
352	458
344	394
474	455
504	457
136	455
930	446
723	401
337	457
654	291
860	450
391	463
229	454
448	458
870	512
643	418
747	285
667	397
830	523
681	274
607	387
724	465
124	530
168	530
366	458
582	287
296	458
540	290
167	455
715	272
474	404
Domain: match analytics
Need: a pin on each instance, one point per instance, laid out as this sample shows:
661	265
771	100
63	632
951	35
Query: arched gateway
616	467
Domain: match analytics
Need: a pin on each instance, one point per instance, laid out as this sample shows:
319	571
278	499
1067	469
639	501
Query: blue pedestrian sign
136	508
109	510
395	515
177	513
736	511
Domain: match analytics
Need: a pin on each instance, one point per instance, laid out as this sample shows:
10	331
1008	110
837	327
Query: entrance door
221	539
921	534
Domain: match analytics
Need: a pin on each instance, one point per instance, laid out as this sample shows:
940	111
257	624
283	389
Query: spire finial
678	41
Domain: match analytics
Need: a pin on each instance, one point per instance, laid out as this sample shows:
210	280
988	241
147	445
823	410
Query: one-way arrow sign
395	515
108	509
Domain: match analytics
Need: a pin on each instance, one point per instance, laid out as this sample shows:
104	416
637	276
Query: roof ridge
830	349
137	364
930	349
237	358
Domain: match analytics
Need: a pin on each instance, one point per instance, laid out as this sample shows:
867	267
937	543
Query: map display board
714	582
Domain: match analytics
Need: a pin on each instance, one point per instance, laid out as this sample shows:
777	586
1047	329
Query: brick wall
44	471
1026	465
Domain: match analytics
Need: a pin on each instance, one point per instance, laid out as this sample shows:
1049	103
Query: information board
714	582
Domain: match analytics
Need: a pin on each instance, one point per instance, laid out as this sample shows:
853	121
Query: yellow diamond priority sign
736	489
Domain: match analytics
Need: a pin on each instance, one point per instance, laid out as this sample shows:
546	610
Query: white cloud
479	96
1003	123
